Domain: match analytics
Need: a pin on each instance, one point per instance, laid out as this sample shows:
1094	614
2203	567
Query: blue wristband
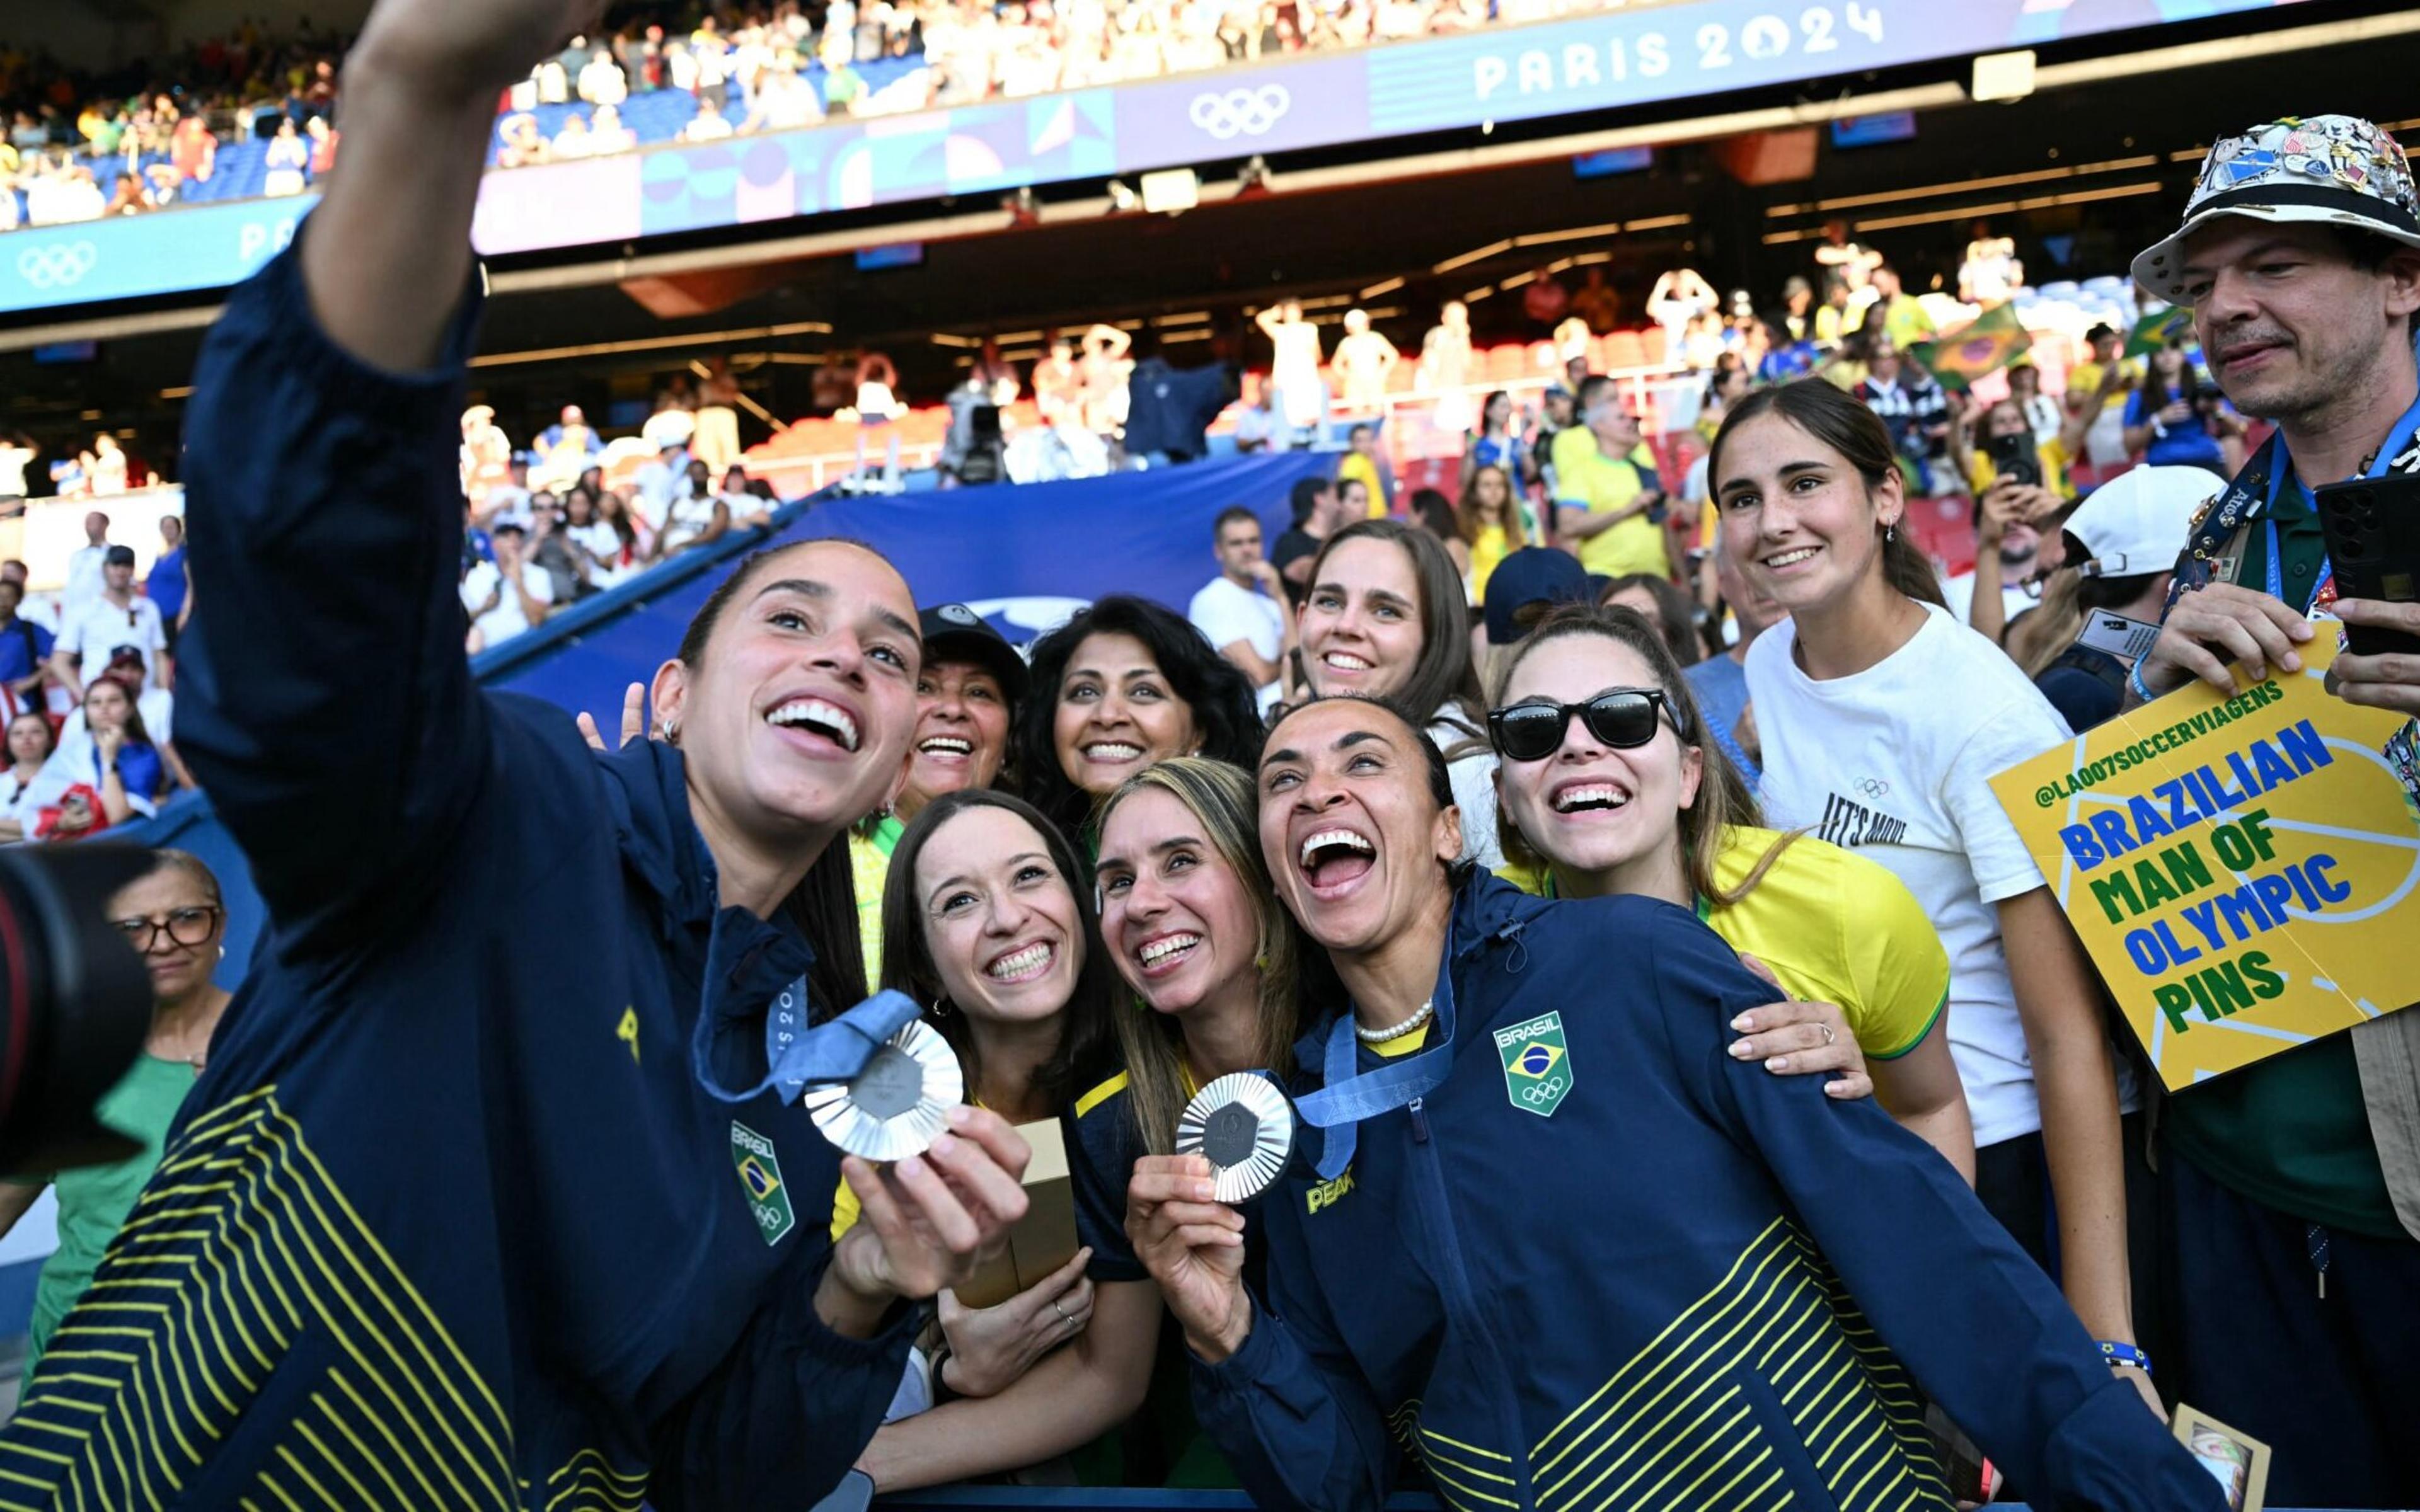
2124	1354
2134	681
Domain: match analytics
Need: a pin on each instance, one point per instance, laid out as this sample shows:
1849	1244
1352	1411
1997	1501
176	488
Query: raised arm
321	475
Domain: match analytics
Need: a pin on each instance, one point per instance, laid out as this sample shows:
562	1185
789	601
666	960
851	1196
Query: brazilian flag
1986	343
2158	329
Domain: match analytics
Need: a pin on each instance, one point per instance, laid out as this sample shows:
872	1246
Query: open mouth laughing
820	719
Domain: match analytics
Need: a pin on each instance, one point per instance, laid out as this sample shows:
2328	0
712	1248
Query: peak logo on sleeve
1537	1064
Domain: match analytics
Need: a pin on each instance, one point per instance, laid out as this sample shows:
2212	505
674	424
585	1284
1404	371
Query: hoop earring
670	730
941	1007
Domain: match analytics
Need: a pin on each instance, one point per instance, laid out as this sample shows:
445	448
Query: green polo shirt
2290	1132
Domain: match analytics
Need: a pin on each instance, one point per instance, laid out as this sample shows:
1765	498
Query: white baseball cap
2332	170
2138	522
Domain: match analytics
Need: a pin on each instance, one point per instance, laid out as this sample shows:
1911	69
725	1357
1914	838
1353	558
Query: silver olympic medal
899	1104
1244	1127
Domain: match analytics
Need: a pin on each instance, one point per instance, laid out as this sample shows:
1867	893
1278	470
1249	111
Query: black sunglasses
1622	718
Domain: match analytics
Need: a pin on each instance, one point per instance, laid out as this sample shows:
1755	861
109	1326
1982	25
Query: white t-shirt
12	463
1895	761
686	518
1960	592
95	630
505	619
1226	611
85	582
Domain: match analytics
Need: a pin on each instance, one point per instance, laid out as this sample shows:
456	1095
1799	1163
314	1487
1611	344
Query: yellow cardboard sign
2244	870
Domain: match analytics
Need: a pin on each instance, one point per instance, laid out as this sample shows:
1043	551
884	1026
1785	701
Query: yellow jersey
1356	466
1490	548
1589	479
1833	926
2055	460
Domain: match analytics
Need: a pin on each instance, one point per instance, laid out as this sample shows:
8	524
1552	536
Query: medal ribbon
1350	1095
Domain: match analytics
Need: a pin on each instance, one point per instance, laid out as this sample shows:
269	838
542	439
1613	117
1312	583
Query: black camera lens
75	1003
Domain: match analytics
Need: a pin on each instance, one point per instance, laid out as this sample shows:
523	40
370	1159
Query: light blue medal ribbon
2398	441
1351	1095
798	1057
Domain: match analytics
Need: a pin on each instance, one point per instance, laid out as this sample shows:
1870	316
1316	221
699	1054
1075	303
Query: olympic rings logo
1241	111
1545	1092
1873	787
56	265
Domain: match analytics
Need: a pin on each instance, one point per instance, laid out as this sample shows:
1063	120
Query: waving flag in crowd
1988	343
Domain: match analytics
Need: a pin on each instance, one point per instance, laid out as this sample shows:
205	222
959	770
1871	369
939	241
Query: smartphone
2127	639
2015	457
2373	533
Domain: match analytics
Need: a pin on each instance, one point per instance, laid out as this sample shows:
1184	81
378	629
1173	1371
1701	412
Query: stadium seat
1623	348
1650	345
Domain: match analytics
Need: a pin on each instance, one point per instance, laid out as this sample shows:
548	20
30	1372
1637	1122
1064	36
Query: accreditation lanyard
1351	1094
2323	595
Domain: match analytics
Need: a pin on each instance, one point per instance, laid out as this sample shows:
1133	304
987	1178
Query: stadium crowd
1684	678
246	114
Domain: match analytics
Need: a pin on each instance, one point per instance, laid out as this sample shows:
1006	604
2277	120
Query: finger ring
1828	1036
1061	1311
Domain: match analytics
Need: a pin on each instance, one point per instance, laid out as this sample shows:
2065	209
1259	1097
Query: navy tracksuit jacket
1691	1284
448	1222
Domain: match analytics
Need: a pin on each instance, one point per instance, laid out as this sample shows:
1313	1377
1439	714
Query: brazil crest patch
760	1177
1537	1064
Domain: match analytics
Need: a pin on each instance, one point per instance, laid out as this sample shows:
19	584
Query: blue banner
90	262
1025	557
1615	59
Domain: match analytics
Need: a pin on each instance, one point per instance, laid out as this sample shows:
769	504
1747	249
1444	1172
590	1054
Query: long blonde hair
1222	799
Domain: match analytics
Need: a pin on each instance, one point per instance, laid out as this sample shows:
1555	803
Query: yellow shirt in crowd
1834	928
2055	460
1490	548
1584	476
1356	466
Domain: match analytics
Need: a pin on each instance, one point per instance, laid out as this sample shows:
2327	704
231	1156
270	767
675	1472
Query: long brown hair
907	957
823	907
1515	535
1443	685
1222	799
1837	421
1723	801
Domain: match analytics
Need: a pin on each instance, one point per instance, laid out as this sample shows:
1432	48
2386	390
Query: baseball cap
953	632
2137	522
1533	575
122	655
2328	170
119	556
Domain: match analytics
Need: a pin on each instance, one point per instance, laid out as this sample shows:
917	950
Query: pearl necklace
1383	1035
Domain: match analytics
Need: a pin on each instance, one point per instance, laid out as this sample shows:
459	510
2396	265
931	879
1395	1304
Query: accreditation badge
1244	1127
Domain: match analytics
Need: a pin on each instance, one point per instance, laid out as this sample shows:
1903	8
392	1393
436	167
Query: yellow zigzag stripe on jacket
241	1245
1675	1427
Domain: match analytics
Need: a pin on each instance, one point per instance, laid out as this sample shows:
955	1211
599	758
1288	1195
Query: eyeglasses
184	926
1622	718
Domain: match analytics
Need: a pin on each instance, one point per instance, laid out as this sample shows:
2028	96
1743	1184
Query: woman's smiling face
1177	918
1362	628
1117	714
1001	923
